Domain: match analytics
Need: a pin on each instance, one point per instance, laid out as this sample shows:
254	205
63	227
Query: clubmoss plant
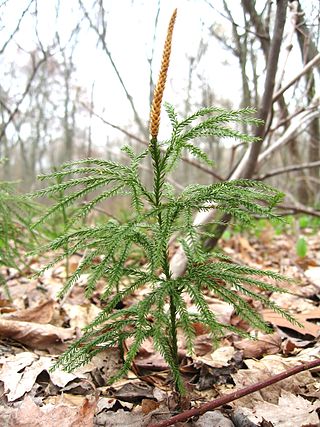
158	213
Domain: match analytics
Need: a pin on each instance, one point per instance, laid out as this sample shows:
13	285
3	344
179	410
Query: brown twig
288	169
292	210
184	416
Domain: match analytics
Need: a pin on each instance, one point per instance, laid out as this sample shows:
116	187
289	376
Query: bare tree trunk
308	51
246	167
68	131
266	102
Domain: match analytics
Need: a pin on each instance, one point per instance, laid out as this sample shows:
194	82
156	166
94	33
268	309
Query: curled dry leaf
34	335
42	313
255	349
133	392
308	328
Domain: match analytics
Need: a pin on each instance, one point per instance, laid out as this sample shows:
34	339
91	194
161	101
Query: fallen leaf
81	315
122	418
42	313
313	274
255	349
213	418
148	405
307	328
289	411
34	335
62	415
19	373
259	370
133	392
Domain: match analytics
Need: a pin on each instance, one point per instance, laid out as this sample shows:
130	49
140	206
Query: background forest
78	79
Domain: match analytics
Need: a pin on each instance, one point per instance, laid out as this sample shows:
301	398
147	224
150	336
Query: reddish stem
184	416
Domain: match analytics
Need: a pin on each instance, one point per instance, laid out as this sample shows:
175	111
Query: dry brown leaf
42	313
34	335
148	405
219	358
307	328
19	373
133	391
265	344
122	418
213	418
290	411
313	274
62	415
259	370
81	315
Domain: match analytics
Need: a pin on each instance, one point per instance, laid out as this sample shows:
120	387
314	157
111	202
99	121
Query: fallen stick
184	416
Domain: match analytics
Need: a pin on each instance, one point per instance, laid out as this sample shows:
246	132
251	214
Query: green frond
95	183
106	164
171	114
17	213
87	207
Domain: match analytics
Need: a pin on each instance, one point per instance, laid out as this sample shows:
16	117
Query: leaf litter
35	329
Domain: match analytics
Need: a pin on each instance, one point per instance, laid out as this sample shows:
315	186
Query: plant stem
65	225
173	332
159	176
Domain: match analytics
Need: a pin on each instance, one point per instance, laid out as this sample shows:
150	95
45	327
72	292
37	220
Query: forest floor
35	328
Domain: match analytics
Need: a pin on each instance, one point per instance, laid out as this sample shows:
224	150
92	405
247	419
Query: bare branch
26	90
16	29
288	169
293	209
305	69
102	40
297	127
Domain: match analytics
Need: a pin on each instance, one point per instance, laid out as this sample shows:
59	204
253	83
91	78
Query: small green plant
156	214
301	247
